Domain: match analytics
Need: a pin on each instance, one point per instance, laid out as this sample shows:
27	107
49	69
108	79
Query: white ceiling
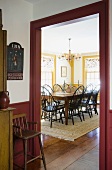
84	37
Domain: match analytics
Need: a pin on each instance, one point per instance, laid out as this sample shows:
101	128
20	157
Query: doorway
35	66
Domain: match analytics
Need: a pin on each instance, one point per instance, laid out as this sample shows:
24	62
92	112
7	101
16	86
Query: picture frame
63	71
15	61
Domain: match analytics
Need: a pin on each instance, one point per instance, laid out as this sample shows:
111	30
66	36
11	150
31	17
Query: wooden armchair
52	109
74	104
94	101
85	106
22	130
48	88
57	88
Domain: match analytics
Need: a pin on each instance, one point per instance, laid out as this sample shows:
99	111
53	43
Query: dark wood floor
82	154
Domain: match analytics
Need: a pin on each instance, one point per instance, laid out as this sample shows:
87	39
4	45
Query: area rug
70	132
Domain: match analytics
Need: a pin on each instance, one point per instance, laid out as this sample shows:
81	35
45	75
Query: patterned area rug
70	132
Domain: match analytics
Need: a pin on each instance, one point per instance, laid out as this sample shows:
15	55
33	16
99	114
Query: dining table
66	98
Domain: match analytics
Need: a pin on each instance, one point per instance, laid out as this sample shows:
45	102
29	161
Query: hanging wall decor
15	61
63	71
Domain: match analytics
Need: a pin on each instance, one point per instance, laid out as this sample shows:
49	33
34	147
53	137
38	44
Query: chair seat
27	134
52	108
61	102
92	102
83	102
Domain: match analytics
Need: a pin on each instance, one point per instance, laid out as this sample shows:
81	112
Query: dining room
67	47
72	60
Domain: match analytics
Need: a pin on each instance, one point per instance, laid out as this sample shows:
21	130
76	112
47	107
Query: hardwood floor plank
71	154
67	155
82	165
89	161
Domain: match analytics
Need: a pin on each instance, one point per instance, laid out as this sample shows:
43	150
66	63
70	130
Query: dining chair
84	105
65	86
49	88
89	87
74	104
80	90
52	108
72	88
94	99
57	88
25	131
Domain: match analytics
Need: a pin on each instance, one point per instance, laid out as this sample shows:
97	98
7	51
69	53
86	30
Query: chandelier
69	56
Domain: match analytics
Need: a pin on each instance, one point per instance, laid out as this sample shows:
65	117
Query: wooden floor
82	154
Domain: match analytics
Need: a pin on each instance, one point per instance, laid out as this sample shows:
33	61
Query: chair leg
51	120
72	113
96	112
89	112
61	118
49	116
80	116
83	116
55	115
25	154
42	152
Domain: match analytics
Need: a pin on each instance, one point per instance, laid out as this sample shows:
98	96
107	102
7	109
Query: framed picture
15	59
63	71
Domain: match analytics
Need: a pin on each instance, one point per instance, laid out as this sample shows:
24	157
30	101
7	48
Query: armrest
32	122
34	125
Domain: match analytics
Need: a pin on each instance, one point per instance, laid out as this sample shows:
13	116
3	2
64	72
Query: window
47	67
46	78
92	75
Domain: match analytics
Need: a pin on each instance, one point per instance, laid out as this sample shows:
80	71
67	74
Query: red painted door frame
35	64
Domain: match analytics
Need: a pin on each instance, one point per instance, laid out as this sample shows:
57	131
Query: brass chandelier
69	56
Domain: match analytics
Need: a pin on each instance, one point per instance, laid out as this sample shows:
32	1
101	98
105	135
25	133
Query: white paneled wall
16	17
78	71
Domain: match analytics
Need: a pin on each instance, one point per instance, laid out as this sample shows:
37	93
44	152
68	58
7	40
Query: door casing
35	64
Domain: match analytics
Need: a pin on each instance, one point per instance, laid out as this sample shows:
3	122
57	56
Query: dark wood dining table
65	97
